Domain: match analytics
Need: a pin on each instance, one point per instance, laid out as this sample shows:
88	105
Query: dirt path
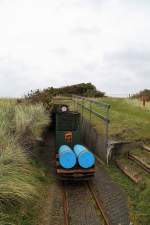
52	208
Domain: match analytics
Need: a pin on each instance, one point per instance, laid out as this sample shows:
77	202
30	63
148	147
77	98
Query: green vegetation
138	196
21	179
138	103
30	121
143	94
128	121
45	96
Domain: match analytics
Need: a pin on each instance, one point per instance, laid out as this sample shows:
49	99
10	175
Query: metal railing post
90	111
82	108
104	117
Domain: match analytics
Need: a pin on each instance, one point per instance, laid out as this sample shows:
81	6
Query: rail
89	104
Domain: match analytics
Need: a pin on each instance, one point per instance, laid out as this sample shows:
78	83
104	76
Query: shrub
143	94
45	96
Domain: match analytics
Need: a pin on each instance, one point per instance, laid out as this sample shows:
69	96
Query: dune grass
20	178
139	104
31	117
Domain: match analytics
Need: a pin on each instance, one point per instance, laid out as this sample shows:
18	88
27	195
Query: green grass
138	197
21	178
129	121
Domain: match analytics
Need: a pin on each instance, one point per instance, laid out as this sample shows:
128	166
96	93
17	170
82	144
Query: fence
94	124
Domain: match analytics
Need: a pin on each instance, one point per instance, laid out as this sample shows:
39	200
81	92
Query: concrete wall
93	140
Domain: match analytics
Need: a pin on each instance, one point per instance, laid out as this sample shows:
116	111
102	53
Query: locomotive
73	159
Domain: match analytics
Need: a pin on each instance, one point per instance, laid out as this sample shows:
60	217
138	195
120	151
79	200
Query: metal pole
74	102
90	122
82	108
90	111
107	130
77	104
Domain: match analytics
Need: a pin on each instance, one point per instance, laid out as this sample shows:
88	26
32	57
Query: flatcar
74	161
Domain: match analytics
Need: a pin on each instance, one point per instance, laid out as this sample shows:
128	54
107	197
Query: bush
45	96
143	94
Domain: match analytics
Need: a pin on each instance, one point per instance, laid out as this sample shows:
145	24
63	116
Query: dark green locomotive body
67	132
67	128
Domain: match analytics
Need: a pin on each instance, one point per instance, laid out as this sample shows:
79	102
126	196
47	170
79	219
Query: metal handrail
102	104
95	113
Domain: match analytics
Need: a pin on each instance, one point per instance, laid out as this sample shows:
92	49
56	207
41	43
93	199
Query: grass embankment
129	120
21	179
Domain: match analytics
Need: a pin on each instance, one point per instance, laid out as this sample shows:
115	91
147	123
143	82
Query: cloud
86	31
45	43
59	50
129	54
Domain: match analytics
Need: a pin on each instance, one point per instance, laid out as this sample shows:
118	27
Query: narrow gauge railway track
99	204
96	202
80	205
66	206
125	170
146	148
139	162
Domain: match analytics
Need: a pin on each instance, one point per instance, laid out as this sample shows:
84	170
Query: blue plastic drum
86	158
67	157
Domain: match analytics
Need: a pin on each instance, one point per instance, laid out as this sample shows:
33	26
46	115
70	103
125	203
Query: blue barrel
85	158
67	157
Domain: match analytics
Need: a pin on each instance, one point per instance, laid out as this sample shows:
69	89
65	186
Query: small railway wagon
74	161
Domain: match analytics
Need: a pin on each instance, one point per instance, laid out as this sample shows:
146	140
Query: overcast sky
59	42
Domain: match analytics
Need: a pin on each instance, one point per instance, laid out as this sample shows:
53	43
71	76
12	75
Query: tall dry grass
19	178
30	121
139	104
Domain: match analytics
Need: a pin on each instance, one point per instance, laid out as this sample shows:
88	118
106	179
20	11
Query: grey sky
55	43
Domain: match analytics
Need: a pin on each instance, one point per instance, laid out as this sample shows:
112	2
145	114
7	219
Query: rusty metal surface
139	162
